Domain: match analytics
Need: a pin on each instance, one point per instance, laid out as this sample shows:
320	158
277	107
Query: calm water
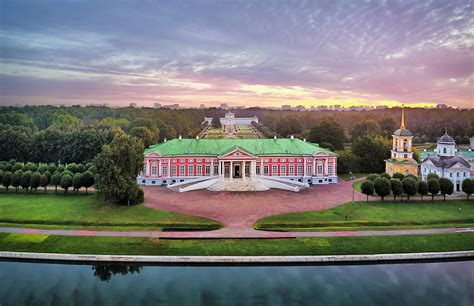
445	283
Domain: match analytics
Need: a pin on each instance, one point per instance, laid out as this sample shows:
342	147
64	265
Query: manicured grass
347	177
85	211
357	185
242	247
369	215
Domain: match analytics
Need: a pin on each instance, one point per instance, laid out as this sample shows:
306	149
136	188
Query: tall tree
387	126
372	152
433	187
364	128
328	131
144	134
118	166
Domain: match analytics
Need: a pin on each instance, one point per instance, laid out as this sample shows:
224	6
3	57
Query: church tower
401	159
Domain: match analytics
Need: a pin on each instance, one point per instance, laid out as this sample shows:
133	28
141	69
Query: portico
234	168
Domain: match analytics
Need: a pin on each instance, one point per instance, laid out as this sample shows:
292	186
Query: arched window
444	150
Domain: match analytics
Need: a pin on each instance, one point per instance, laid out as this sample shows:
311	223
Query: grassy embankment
84	211
243	247
376	215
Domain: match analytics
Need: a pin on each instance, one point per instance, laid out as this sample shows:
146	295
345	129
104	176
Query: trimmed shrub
422	188
25	180
398	175
382	187
385	175
397	187
77	181
35	180
410	186
7	179
432	176
468	187
445	187
43	181
66	182
367	188
372	177
433	187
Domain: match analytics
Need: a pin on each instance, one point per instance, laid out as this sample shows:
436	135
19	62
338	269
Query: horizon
243	53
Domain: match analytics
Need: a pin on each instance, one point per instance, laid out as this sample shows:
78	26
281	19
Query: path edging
235	259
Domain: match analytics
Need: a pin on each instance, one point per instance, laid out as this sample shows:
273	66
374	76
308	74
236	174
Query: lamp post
352	177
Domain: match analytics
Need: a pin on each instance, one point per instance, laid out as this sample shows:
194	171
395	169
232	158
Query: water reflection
104	272
443	283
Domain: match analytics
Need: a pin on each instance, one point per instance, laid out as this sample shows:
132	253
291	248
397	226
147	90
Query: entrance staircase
257	183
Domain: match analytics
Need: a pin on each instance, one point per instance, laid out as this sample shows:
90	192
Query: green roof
217	147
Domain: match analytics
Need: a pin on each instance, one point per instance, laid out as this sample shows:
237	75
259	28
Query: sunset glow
244	53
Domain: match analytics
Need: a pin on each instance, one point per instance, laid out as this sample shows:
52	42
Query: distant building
171	106
286	107
337	108
442	106
401	160
447	163
157	105
230	119
224	106
300	108
132	105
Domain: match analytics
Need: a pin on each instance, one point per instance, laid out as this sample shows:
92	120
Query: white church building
445	163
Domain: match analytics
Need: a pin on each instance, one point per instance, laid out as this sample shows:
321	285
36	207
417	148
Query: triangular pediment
236	152
152	154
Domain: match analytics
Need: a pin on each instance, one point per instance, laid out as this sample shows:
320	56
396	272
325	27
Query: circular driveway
240	210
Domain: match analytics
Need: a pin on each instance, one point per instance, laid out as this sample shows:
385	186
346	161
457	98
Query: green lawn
370	215
85	211
243	247
347	177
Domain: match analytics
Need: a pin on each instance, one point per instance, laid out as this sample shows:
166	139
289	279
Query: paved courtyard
240	210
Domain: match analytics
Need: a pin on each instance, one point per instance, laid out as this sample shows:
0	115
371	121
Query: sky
244	53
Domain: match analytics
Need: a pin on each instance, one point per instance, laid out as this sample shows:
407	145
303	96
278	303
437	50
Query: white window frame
309	169
198	170
208	170
173	170
300	169
154	169
182	170
329	169
190	170
291	169
319	168
266	170
282	170
274	169
164	170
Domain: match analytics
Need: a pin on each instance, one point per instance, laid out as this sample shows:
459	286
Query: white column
159	168
219	168
314	167
261	167
304	166
231	170
169	167
212	168
243	170
147	171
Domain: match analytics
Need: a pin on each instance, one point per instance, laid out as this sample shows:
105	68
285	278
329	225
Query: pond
439	283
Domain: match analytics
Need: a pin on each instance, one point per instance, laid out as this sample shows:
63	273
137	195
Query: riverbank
302	246
27	256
